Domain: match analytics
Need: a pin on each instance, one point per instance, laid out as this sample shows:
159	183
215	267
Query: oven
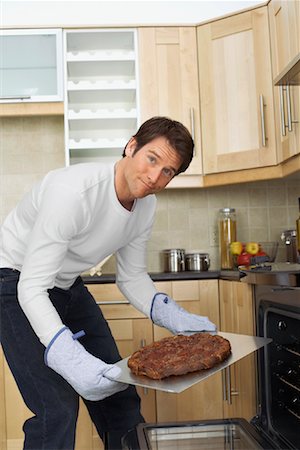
278	317
277	423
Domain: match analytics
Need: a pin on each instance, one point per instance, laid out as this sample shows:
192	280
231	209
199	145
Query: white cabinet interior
101	92
31	66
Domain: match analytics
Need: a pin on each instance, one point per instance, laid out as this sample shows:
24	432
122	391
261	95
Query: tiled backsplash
189	218
185	218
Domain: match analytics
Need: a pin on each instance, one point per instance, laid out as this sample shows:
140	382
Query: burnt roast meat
178	355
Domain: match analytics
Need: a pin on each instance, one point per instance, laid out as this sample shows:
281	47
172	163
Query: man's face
150	169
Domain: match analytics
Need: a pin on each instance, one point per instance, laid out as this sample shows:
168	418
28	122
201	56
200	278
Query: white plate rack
101	87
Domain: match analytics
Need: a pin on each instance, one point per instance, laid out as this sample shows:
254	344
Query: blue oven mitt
166	313
83	371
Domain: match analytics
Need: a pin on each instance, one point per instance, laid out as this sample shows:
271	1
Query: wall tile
185	218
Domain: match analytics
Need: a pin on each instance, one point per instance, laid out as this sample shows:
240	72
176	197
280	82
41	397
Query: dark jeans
52	400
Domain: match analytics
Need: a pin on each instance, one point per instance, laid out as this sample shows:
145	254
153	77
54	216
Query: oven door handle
285	288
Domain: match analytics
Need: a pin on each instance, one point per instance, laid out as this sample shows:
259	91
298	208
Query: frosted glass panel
28	65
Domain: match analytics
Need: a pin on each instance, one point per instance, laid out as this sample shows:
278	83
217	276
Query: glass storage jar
227	234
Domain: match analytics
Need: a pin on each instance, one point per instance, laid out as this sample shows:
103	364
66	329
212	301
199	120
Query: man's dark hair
177	135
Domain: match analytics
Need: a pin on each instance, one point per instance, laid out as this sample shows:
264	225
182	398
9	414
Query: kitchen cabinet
284	28
284	19
169	83
236	96
131	329
204	400
101	93
31	66
237	316
16	412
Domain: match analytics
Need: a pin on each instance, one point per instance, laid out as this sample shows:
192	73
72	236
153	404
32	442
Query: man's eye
168	172
152	159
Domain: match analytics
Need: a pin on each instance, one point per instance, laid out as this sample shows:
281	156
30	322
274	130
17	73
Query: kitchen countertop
157	276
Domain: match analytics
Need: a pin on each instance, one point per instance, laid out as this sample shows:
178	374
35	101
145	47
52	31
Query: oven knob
282	326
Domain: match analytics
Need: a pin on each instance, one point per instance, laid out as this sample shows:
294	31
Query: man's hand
166	313
85	373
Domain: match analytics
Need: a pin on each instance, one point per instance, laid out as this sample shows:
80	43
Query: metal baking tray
241	346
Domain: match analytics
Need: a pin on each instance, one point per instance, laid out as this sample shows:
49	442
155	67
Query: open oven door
226	434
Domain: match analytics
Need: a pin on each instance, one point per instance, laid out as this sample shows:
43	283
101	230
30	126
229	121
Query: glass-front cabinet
101	100
31	68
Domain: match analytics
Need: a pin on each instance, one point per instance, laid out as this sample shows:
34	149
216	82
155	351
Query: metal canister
197	262
173	260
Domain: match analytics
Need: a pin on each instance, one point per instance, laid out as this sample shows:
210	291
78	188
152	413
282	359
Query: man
53	334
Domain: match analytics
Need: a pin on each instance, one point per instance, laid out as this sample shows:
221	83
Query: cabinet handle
282	116
228	385
15	97
262	120
192	120
224	385
289	109
112	302
230	393
143	343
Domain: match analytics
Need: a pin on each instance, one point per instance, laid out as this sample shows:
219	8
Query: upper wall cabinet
236	96
169	80
31	66
101	99
285	46
285	29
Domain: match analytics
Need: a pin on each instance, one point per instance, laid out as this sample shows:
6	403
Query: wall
29	147
186	218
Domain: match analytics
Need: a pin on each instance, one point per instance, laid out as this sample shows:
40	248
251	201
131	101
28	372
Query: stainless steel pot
173	260
197	262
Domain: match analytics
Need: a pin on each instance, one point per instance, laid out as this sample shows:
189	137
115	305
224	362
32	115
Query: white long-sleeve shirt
66	224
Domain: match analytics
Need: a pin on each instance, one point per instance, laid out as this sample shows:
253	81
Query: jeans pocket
9	279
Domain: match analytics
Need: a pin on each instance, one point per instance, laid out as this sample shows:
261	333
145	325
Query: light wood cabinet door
285	35
287	116
236	96
284	17
169	80
130	335
237	316
15	410
204	400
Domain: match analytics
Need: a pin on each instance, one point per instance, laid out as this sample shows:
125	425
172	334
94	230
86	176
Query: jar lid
227	210
173	250
196	254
